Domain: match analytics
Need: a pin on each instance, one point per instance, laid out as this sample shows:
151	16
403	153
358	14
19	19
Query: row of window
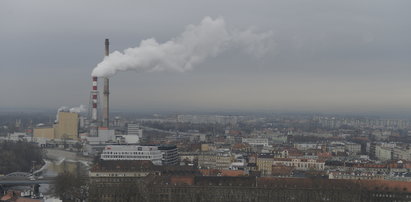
303	165
126	157
110	152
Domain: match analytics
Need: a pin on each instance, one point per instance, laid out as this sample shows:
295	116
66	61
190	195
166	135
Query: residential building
207	160
265	164
400	153
256	141
383	153
300	164
353	148
223	160
355	175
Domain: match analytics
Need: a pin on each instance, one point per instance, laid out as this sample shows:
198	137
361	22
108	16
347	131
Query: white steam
79	109
180	54
61	109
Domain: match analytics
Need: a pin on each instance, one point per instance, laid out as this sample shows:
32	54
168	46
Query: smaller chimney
107	44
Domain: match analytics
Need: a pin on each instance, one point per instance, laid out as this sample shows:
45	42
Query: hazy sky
328	56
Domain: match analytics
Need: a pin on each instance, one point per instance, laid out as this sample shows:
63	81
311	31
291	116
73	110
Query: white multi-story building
134	129
306	146
207	160
401	153
256	141
220	159
353	148
383	153
132	152
104	136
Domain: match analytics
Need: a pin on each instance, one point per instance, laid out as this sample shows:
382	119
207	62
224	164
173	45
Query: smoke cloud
79	109
193	46
61	109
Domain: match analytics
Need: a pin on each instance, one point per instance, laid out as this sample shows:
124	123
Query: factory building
46	132
65	128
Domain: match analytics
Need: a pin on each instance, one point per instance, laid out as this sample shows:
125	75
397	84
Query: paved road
26	182
18	180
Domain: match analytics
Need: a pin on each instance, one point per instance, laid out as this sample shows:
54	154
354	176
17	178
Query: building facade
170	155
67	126
300	164
134	129
256	141
132	152
265	164
44	132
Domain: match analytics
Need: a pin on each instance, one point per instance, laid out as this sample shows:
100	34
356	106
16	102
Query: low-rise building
256	141
355	175
207	160
300	164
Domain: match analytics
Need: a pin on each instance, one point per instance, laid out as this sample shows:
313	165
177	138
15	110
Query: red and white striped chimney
94	100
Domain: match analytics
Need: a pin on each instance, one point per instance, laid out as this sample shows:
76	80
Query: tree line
19	156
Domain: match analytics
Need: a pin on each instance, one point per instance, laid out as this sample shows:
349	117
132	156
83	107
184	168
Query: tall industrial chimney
106	92
93	109
94	94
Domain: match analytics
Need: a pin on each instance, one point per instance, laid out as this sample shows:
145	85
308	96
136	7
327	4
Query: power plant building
65	128
44	132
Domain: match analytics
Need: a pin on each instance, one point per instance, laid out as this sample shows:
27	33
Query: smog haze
324	56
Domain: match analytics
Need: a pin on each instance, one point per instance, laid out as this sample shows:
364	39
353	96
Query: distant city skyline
328	57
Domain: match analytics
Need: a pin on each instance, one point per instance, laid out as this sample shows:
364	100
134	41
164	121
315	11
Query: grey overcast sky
329	56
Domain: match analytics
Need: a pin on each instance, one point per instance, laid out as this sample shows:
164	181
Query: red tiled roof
232	173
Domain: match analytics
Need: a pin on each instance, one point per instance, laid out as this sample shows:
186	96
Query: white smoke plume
63	108
194	45
79	109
